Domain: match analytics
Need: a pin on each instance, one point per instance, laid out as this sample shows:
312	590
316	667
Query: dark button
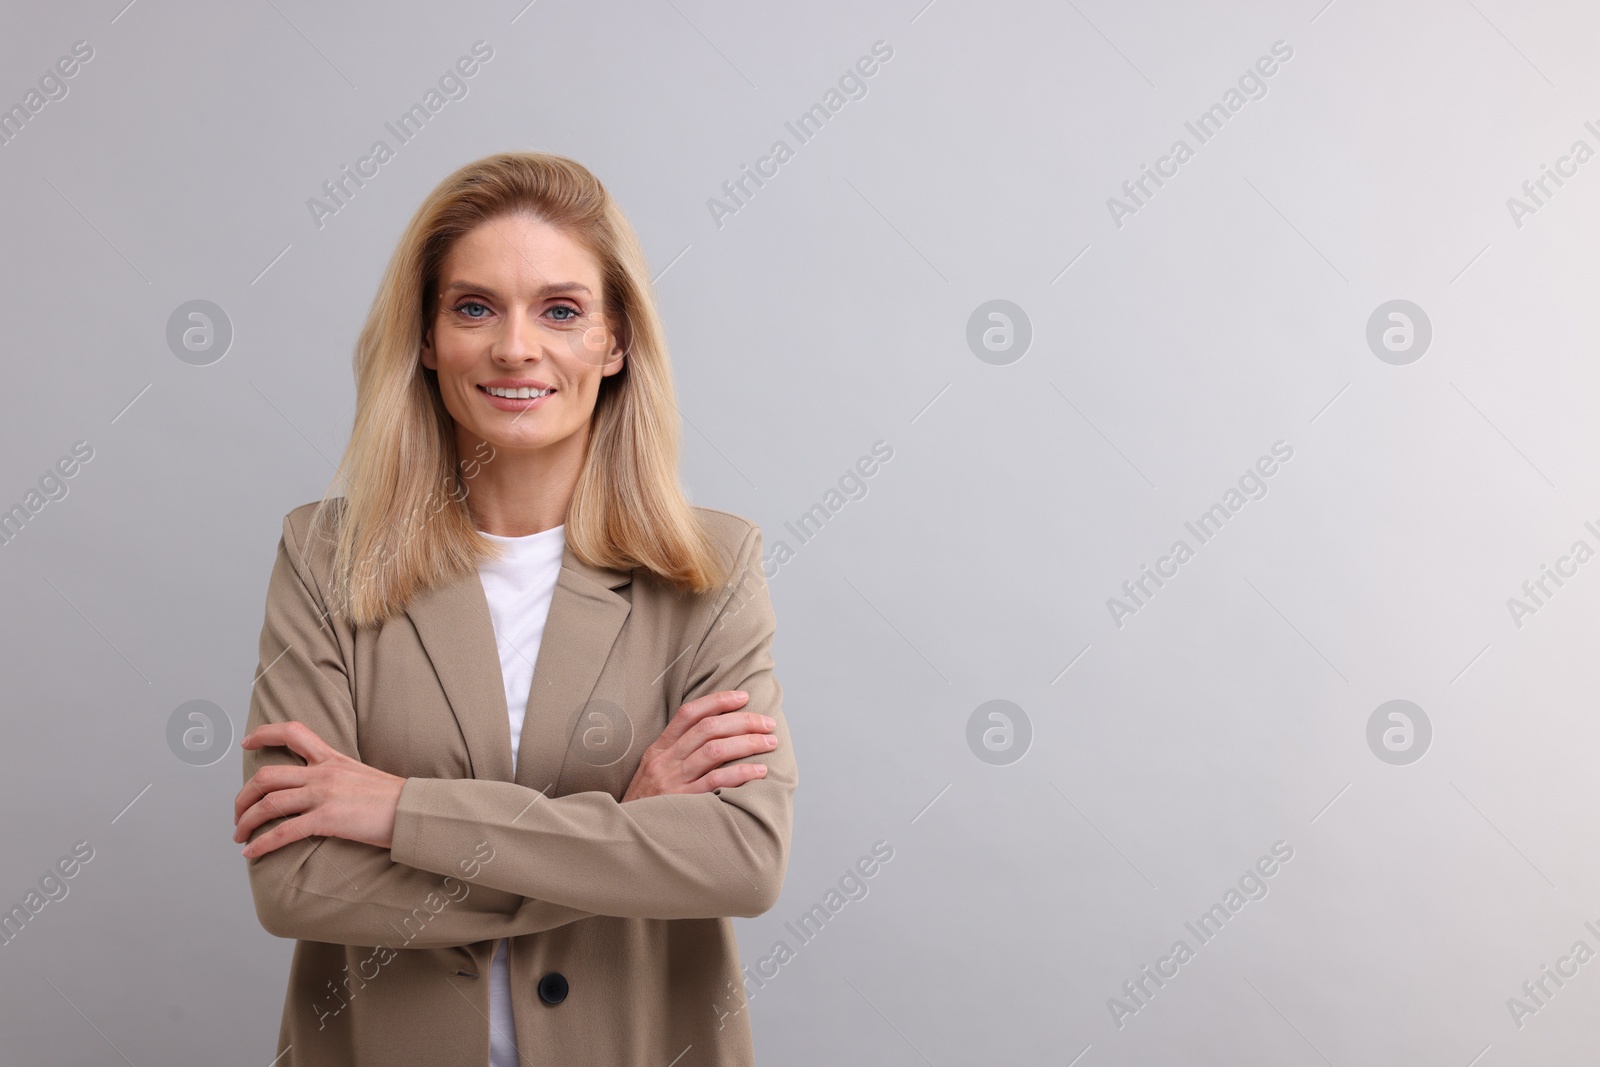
553	988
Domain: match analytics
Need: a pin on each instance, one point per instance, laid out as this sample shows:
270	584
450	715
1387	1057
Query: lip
508	403
516	383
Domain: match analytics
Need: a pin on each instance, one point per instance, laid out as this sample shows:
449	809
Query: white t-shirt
519	588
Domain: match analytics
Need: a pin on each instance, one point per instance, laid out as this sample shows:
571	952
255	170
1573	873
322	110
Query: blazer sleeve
678	856
344	892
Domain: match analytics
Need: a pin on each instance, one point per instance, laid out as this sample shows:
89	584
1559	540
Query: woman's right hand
691	754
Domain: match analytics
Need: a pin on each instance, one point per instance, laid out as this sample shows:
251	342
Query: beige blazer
622	945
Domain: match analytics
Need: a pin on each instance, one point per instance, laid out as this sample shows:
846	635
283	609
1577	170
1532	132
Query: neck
517	493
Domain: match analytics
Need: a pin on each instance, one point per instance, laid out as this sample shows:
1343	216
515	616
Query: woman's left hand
331	796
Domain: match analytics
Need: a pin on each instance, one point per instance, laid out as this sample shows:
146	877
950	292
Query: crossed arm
345	853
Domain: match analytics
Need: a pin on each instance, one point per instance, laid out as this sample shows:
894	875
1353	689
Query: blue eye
470	304
567	307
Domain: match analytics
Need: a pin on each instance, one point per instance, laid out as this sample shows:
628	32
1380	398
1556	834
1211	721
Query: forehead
515	254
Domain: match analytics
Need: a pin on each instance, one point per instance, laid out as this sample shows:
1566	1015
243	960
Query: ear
619	353
429	360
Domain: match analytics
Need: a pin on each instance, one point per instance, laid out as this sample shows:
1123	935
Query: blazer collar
586	615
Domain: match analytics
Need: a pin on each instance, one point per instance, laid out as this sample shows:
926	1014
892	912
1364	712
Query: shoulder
298	521
737	540
310	543
728	530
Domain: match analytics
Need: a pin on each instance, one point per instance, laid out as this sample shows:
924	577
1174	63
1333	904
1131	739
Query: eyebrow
549	289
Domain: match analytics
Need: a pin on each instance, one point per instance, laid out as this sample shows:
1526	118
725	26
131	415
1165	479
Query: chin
514	442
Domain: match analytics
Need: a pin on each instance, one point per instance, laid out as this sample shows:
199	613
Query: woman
531	856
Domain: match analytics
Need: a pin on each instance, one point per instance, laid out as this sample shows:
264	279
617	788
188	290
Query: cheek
455	358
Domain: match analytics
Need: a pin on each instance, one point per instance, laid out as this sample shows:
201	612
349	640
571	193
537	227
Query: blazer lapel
453	623
452	620
586	615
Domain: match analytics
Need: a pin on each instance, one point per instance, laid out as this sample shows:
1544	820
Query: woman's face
520	308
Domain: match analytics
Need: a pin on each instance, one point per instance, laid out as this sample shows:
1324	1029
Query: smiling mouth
516	394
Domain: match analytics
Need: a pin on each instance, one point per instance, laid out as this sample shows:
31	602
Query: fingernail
769	722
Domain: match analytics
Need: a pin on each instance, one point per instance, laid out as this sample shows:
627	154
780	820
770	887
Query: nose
517	343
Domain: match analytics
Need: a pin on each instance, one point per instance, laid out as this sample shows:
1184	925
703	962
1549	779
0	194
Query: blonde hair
403	525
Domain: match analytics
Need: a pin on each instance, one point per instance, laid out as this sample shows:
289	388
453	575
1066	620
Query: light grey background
828	313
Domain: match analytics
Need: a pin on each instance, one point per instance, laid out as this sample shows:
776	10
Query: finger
695	710
244	798
716	752
728	777
285	833
265	781
730	724
280	803
727	724
712	727
297	737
